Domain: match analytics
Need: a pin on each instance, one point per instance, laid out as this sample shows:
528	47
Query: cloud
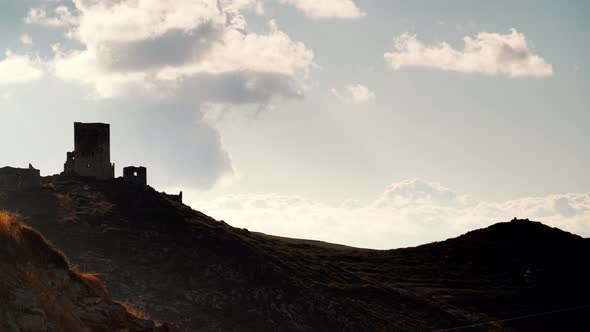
487	53
20	69
62	17
156	47
256	5
407	213
181	151
417	192
354	94
26	39
320	9
162	61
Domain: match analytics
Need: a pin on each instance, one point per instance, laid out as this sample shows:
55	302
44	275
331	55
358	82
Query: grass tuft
9	225
134	310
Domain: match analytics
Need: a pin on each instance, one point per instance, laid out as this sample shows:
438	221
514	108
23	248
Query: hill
40	291
181	266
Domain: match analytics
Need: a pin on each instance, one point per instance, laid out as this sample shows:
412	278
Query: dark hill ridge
182	266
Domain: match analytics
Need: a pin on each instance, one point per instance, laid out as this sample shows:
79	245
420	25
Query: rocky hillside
181	266
40	291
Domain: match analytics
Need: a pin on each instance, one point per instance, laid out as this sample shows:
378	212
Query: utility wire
516	318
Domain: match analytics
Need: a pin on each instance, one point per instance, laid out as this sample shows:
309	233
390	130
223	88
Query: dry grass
82	204
9	226
50	186
65	200
93	281
21	243
134	310
30	260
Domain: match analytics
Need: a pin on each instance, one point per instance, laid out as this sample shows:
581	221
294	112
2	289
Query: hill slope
39	290
182	266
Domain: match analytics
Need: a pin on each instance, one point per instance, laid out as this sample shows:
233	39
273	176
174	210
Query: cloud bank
354	94
407	213
321	9
486	53
159	47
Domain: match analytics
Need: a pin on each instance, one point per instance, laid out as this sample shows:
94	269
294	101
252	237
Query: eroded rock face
40	292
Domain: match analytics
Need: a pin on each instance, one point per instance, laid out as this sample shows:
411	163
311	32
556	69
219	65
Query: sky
377	124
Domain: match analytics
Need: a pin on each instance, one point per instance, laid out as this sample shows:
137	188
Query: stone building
19	179
135	175
92	152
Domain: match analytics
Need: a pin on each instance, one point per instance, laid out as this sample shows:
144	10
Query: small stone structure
91	158
19	179
172	197
92	152
135	175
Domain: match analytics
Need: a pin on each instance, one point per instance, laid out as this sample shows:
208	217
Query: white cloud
407	213
416	192
487	53
168	58
354	94
20	69
26	39
162	47
256	5
319	9
62	17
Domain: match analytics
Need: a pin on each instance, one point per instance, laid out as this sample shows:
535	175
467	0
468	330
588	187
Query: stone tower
135	175
92	152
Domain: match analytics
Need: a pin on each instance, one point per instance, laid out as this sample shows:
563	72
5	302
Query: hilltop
182	266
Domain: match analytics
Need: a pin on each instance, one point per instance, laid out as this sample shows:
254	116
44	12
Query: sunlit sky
371	123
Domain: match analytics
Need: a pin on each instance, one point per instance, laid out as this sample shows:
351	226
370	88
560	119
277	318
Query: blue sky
289	117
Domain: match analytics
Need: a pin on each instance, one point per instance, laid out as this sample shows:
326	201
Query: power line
516	318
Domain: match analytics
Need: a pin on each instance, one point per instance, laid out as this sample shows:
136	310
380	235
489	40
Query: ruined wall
19	179
172	197
92	152
135	175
